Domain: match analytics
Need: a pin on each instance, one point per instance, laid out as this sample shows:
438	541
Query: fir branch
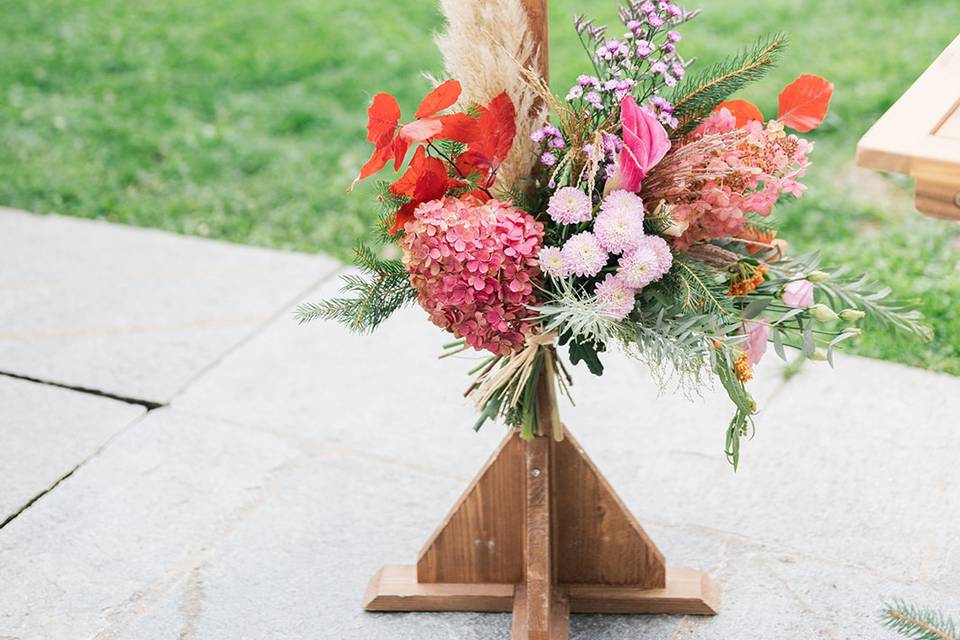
698	287
382	289
696	97
918	624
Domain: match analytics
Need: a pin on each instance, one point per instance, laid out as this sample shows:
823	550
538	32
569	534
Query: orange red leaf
444	96
496	128
743	110
804	102
458	127
420	130
382	118
424	180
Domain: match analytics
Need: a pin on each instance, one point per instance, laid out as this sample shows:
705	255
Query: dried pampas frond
481	47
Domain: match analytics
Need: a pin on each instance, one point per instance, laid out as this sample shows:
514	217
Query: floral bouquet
635	212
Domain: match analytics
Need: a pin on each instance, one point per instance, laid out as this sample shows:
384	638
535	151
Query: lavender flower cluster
643	62
552	138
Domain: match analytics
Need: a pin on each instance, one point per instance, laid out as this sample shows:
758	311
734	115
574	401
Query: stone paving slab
45	432
259	505
131	525
132	312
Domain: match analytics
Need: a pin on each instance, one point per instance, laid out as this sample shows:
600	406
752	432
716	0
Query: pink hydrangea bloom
615	297
798	293
756	344
582	255
764	164
570	205
473	266
551	262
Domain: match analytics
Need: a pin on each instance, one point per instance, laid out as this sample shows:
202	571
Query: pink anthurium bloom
645	142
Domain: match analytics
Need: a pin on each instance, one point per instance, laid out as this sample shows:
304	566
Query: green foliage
383	288
699	287
585	351
918	623
699	93
741	424
864	294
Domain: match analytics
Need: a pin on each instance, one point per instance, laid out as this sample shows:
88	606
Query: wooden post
539	29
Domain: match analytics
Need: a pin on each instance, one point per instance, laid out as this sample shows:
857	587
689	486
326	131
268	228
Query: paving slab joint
149	405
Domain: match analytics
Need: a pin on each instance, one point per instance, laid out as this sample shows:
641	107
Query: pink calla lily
645	143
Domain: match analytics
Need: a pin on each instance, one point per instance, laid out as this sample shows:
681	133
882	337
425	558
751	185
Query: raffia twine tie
518	367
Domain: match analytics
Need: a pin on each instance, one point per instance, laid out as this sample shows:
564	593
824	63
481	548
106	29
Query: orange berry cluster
746	285
742	368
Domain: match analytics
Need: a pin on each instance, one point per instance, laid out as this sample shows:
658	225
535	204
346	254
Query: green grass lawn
244	120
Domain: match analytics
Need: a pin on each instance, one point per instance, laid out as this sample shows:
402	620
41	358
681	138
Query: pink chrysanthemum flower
618	228
551	262
662	250
615	297
570	205
472	265
582	255
621	199
640	267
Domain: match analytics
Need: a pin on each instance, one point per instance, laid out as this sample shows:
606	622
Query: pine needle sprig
699	288
917	623
695	98
383	288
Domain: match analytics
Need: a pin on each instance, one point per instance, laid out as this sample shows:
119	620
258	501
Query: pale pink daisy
615	297
640	267
582	255
621	199
570	205
662	249
551	262
619	228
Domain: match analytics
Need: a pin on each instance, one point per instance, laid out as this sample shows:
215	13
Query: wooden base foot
687	592
557	625
541	533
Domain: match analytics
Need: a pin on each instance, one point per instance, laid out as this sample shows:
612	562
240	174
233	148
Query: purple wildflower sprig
643	62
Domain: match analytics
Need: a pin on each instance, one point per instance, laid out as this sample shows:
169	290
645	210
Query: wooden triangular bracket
540	532
481	540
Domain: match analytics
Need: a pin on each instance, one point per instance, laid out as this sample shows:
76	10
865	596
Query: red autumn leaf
473	162
743	110
400	147
378	160
439	99
404	185
425	179
420	130
804	102
496	128
458	127
382	118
